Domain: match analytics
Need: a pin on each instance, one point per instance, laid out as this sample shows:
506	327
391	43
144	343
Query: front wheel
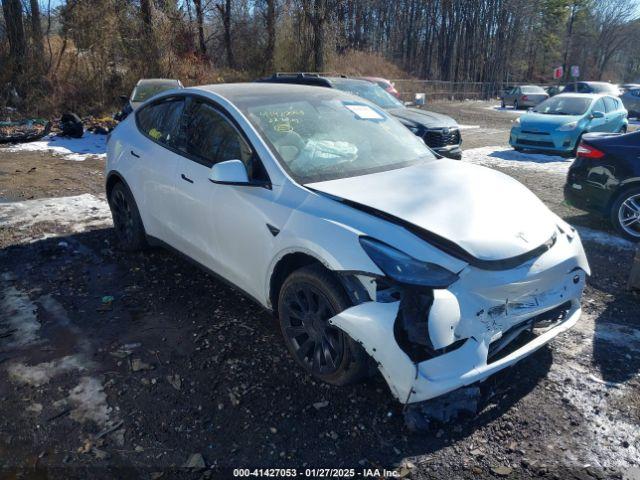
625	214
309	297
623	129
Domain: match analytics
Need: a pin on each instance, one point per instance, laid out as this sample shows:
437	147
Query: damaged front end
432	333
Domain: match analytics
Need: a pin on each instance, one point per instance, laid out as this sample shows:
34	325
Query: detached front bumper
477	324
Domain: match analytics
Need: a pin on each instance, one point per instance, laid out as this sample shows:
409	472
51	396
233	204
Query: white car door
153	164
224	227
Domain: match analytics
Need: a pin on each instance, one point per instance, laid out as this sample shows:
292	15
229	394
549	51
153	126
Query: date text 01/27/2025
316	473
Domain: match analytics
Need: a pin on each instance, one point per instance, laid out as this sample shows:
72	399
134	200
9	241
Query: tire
126	219
623	129
502	105
622	209
323	351
515	105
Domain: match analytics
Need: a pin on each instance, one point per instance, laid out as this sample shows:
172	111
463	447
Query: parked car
591	87
604	179
387	85
558	123
629	86
631	101
440	132
329	213
143	91
524	96
553	90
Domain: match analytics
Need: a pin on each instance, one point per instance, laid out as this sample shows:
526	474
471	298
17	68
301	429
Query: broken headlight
405	269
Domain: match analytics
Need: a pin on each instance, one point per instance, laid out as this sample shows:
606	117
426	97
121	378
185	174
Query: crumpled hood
545	123
488	214
423	117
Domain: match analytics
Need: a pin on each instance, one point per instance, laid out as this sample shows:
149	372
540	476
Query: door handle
185	178
135	154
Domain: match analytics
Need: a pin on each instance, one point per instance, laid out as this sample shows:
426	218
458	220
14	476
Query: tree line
86	53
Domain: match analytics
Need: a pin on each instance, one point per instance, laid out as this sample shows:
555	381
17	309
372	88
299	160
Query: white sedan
370	249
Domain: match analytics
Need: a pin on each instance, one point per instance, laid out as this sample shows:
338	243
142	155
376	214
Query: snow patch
468	127
506	157
18	317
89	401
603	238
76	149
38	375
76	214
499	108
594	397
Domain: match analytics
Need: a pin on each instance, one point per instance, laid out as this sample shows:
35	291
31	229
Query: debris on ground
71	125
443	409
195	462
24	130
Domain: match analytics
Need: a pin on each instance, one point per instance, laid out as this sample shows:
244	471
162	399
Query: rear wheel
309	297
515	105
623	129
126	219
502	105
625	214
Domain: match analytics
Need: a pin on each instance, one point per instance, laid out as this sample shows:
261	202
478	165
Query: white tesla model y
366	245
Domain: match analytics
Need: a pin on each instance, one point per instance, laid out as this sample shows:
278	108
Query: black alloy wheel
318	345
126	219
308	299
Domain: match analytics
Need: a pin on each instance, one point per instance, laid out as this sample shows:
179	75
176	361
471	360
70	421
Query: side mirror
230	172
597	114
124	98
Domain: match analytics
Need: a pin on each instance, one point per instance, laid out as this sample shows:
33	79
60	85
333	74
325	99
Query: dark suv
440	132
592	87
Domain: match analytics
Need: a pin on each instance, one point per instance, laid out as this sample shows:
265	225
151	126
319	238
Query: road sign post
575	73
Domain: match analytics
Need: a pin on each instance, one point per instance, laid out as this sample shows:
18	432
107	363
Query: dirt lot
120	365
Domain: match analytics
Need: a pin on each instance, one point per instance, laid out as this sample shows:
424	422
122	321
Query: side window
598	106
584	88
569	88
159	121
611	104
210	138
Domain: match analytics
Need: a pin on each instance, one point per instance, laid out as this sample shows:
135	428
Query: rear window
147	90
533	89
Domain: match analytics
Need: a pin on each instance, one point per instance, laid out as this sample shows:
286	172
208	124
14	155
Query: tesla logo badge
521	236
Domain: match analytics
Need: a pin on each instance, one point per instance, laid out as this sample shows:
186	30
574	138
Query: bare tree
36	30
225	12
200	22
13	18
270	24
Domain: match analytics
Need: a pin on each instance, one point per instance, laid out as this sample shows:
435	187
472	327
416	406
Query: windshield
369	91
147	90
560	105
532	89
327	135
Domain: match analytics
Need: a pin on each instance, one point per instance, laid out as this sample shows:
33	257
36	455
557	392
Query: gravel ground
134	366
